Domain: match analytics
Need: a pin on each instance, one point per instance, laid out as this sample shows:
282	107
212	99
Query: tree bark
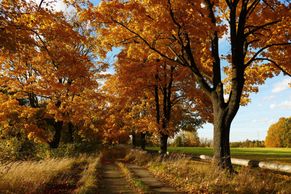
143	140
71	131
57	136
163	144
221	146
133	140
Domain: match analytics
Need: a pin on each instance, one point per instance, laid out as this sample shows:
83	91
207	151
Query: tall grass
29	176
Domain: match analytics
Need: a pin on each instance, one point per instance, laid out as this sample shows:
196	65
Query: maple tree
279	134
188	33
48	73
150	96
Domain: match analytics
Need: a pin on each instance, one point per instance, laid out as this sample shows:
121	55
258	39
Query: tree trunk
71	131
57	136
163	144
133	140
221	143
223	115
143	140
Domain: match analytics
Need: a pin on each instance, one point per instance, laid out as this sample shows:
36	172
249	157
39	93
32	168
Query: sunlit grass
90	176
29	176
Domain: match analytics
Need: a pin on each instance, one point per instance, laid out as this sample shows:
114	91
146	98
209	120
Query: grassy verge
89	180
282	155
30	176
136	184
197	177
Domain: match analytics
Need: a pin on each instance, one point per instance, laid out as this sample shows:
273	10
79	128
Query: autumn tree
152	93
279	134
49	73
189	33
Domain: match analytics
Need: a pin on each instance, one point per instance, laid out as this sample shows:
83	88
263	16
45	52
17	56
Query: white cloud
272	106
283	105
281	86
268	98
262	120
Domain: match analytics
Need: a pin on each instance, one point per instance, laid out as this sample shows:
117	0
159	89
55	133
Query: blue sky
252	121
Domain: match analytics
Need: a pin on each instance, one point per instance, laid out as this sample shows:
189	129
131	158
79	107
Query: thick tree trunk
142	140
223	116
163	144
221	143
57	136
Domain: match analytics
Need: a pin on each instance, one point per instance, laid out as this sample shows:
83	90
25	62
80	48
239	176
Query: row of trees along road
169	74
186	34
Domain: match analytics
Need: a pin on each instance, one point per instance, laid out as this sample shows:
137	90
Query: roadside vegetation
76	174
90	177
30	176
200	177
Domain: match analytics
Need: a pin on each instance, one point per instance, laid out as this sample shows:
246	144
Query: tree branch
39	6
276	64
256	28
216	74
143	39
262	49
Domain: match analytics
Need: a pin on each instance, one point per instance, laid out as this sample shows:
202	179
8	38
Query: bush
16	148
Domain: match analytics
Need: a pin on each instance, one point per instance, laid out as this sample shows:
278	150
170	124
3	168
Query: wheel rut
155	186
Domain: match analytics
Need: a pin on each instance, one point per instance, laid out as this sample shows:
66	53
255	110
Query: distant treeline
248	143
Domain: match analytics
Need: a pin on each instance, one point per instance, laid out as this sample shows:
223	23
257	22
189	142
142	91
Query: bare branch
39	6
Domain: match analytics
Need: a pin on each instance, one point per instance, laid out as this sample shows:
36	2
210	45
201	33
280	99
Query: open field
282	155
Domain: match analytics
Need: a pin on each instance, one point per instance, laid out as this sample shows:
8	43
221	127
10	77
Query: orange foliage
48	71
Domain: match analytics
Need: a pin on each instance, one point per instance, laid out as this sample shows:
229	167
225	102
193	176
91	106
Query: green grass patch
263	154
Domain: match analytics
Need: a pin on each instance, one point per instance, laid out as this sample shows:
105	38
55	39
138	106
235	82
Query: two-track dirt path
114	182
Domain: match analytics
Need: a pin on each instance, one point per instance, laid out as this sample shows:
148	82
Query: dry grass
29	176
139	157
199	177
90	176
